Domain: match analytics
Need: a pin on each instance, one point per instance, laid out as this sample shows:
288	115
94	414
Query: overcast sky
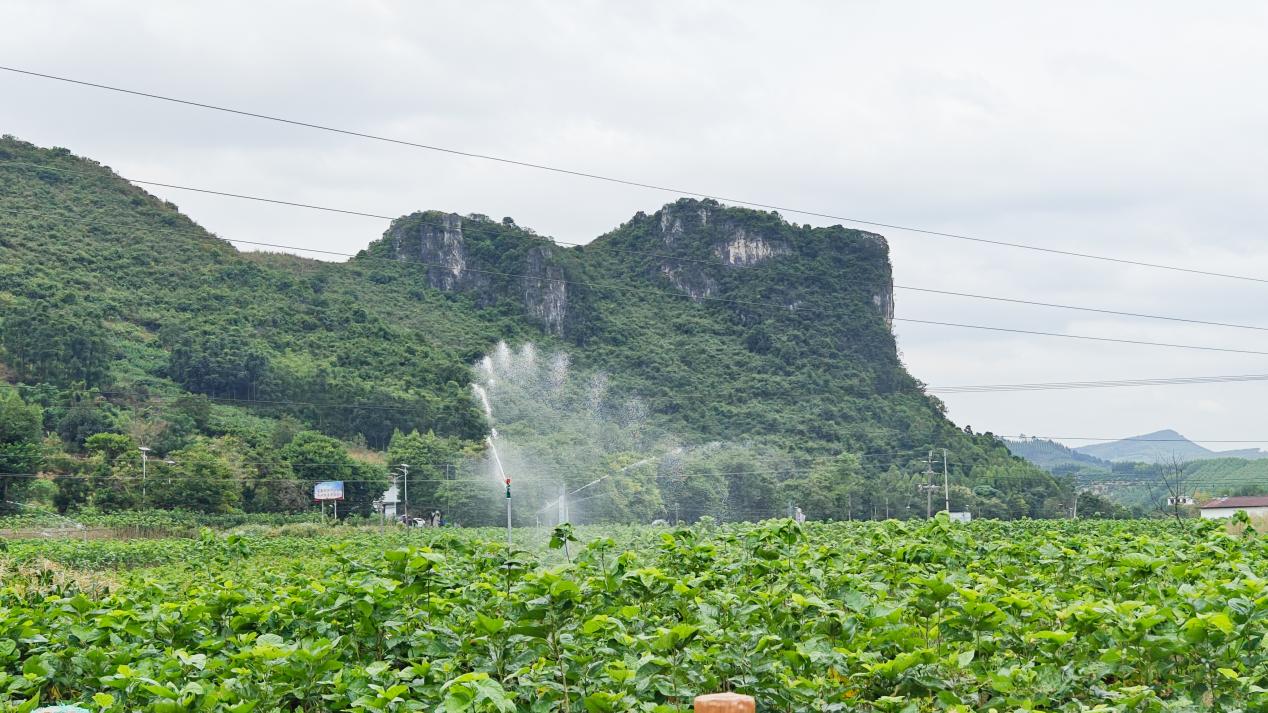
1132	129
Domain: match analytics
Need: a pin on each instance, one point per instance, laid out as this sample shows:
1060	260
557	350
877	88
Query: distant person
799	516
435	519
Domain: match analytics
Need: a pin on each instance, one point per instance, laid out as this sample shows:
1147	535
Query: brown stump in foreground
725	703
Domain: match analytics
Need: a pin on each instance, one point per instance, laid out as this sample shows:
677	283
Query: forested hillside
1055	457
767	341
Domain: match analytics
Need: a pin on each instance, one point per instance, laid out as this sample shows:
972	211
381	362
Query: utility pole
1075	514
145	459
449	491
946	487
563	508
928	486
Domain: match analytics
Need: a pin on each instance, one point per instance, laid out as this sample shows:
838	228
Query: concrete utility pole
1075	514
946	487
145	459
928	486
449	491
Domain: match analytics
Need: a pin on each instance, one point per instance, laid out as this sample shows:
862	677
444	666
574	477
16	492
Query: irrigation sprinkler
78	525
508	515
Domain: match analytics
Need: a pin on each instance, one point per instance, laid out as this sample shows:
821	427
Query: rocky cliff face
545	290
728	244
884	302
436	240
703	241
699	249
729	240
492	261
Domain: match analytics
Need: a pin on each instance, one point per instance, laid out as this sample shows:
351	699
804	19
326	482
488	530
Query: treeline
85	456
199	457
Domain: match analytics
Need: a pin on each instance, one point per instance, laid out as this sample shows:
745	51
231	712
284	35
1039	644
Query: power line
158	398
749	303
1078	336
1113	383
1195	441
193	189
672	474
720	263
629	182
1097	310
681	475
667	456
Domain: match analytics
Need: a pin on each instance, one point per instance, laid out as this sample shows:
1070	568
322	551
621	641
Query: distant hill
1161	446
1055	457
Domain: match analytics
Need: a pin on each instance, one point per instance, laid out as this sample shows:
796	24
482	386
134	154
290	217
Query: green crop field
1030	615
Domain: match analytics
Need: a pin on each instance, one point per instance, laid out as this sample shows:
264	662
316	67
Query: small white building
1226	507
960	516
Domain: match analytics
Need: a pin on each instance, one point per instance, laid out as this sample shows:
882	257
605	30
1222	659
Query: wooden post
725	703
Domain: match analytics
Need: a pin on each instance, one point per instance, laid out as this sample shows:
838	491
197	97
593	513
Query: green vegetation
1057	458
1052	616
738	334
1145	486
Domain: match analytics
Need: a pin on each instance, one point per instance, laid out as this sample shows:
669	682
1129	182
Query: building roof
1240	501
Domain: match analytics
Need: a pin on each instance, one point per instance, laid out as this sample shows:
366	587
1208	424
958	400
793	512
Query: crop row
1069	616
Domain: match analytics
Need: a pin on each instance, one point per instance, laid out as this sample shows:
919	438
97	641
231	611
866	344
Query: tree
1174	477
111	446
21	452
752	492
218	360
114	464
431	461
73	492
366	485
89	416
270	485
830	489
199	479
63	345
316	458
